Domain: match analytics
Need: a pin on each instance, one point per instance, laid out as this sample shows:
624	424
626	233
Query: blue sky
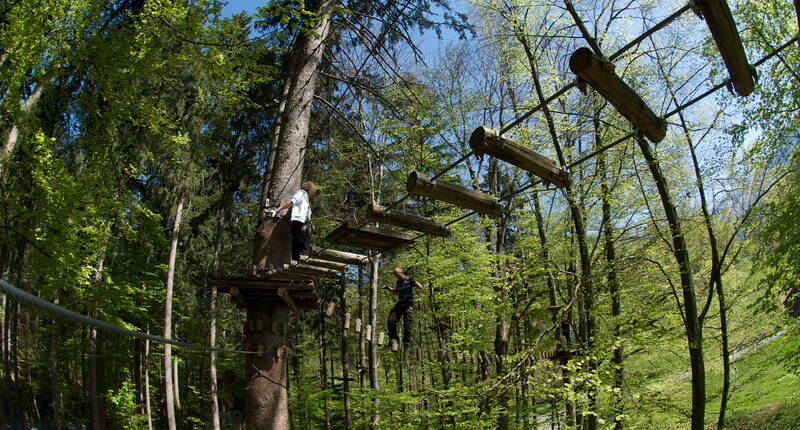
236	6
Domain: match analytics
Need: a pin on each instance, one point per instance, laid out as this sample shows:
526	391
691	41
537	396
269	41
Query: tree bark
212	329
266	397
348	422
694	334
12	136
169	391
612	282
373	319
96	367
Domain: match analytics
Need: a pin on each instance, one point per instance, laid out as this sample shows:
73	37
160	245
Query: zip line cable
31	300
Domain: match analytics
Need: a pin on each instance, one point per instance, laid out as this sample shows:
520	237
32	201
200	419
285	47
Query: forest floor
764	393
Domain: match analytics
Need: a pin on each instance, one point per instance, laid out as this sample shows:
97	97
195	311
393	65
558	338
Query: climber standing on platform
301	218
404	289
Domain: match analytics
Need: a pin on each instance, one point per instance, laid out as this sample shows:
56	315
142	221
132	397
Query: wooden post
339	256
422	185
384	215
329	310
486	141
287	299
601	76
720	22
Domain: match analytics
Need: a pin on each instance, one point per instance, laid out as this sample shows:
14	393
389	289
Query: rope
68	315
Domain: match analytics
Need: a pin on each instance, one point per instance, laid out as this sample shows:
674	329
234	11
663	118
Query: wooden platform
243	289
368	237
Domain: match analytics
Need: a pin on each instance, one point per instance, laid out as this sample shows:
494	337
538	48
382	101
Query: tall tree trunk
612	281
177	387
146	373
212	329
323	363
96	367
715	280
266	397
362	373
580	229
694	334
169	391
345	360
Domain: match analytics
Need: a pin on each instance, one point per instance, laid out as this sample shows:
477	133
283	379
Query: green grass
765	395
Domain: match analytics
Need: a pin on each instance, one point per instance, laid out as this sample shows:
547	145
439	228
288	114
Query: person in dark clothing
232	392
404	289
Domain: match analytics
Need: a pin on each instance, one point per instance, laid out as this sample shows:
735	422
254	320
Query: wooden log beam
601	76
385	215
720	23
487	141
318	262
287	299
339	256
422	185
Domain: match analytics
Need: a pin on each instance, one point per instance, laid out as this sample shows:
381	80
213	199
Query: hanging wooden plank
720	23
318	262
339	256
420	184
385	215
368	237
346	323
329	310
287	299
486	141
601	76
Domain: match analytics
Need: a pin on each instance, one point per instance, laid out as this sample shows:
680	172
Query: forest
595	203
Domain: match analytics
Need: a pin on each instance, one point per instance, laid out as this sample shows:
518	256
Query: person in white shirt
301	218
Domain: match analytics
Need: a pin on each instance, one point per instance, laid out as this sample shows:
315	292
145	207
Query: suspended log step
306	269
484	140
318	262
339	256
368	237
720	23
601	76
385	215
421	184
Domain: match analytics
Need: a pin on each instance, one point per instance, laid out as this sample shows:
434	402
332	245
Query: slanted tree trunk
694	334
12	135
169	391
578	222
